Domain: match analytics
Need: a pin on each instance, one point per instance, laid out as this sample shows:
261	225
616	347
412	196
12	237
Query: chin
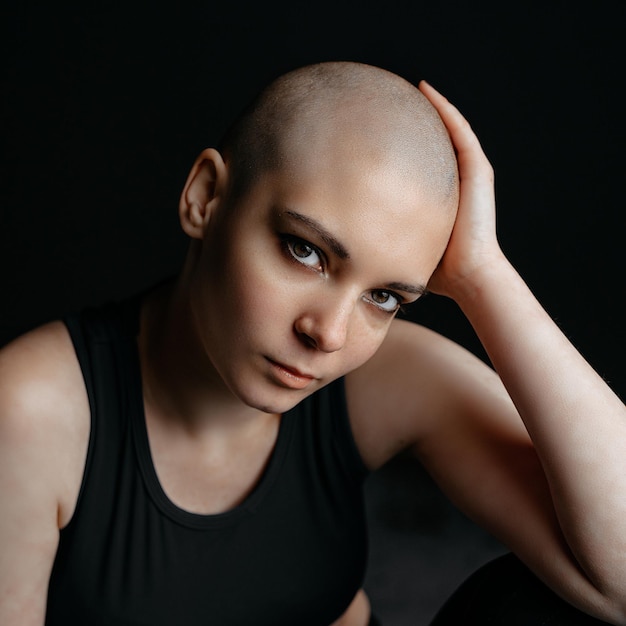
282	402
272	399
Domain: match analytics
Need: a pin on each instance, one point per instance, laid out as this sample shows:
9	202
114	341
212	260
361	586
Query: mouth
288	376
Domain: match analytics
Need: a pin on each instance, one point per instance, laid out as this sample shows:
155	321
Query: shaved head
370	113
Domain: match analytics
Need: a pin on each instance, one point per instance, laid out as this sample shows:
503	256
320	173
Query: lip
288	376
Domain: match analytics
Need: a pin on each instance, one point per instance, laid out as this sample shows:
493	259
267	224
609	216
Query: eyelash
289	241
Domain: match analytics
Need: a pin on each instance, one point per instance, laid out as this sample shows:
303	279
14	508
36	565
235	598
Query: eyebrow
419	290
335	245
341	251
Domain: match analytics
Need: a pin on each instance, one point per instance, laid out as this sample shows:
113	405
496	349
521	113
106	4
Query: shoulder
42	441
44	413
417	384
40	377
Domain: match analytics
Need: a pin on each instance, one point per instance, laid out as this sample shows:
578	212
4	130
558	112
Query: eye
385	300
304	253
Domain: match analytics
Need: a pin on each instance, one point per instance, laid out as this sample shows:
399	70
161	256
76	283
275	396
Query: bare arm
42	443
577	424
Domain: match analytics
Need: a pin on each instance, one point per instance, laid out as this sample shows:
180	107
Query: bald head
368	113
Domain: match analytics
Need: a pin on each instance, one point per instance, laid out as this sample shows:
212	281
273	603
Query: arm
576	423
39	470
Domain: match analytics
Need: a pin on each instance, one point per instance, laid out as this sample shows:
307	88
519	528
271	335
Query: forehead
373	208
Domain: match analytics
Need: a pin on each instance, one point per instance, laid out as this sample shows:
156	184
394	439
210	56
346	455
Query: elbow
616	611
610	607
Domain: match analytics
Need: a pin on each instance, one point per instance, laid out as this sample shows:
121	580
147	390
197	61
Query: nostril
308	340
305	334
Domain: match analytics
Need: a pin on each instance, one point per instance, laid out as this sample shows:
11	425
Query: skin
543	439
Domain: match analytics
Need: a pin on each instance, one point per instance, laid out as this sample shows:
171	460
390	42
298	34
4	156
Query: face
297	285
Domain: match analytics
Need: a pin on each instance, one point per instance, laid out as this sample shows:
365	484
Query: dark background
106	106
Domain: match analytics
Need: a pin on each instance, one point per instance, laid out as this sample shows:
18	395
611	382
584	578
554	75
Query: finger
463	137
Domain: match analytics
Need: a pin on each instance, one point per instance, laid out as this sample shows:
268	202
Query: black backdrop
105	108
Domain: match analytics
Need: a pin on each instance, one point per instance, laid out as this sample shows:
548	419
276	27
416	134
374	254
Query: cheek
368	349
258	294
364	341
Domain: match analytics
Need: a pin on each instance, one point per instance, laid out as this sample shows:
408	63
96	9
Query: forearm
578	425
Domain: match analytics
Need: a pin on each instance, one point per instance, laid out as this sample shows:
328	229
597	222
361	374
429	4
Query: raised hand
473	245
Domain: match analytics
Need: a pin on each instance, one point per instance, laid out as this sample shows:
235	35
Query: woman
196	455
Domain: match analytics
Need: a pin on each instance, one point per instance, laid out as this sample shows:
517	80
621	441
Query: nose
324	326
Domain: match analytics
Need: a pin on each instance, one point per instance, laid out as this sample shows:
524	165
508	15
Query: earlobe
204	189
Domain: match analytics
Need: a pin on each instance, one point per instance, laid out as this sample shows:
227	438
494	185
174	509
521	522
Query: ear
205	188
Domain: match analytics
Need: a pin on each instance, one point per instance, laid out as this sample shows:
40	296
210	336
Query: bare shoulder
44	430
417	385
44	410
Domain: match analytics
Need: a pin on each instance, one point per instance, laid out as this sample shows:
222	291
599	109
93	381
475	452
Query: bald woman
196	454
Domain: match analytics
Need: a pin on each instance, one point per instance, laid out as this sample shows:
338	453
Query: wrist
494	274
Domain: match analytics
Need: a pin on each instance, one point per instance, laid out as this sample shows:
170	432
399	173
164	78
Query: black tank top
293	553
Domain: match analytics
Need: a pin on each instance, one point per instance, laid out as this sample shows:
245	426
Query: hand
473	244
